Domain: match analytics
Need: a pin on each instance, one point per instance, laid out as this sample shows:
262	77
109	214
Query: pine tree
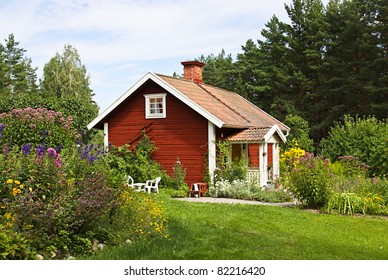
218	70
354	65
17	75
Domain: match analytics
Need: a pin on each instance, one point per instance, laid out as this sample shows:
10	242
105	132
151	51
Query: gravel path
233	201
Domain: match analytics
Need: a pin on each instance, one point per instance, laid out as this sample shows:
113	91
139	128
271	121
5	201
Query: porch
259	148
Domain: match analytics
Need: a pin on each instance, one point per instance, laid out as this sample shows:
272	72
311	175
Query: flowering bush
241	189
36	126
310	180
60	200
143	215
290	157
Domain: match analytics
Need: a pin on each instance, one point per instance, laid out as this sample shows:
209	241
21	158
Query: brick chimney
192	71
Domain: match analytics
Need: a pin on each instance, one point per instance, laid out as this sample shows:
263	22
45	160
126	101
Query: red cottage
185	118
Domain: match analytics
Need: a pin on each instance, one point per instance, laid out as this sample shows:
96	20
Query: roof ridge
214	96
175	78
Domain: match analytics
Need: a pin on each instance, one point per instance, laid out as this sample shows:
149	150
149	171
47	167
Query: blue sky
121	40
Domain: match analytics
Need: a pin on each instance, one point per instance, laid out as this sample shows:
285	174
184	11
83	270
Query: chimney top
192	70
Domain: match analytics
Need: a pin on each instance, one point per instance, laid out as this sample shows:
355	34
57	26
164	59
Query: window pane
156	106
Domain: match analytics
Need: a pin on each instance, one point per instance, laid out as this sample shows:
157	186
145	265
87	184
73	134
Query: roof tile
229	107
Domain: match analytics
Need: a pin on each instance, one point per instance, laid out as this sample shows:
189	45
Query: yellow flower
21	186
9	181
17	182
15	191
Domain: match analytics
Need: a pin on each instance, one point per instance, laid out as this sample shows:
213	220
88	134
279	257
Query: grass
203	231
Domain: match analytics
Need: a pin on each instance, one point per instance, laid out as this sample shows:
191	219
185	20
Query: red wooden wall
270	153
182	134
253	150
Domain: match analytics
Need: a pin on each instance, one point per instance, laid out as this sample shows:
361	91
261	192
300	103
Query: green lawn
236	232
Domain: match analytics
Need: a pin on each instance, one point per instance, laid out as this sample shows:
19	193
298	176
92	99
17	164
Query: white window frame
149	102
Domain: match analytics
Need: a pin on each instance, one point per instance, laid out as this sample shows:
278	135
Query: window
155	105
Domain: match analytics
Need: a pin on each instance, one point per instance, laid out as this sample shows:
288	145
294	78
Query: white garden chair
152	185
137	186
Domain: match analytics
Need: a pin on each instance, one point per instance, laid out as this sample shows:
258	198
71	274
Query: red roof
231	108
249	135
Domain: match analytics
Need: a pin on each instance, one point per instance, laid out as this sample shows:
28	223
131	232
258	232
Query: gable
256	135
97	122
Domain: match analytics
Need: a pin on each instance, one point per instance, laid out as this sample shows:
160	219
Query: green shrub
299	133
310	180
14	246
228	169
240	189
365	138
136	162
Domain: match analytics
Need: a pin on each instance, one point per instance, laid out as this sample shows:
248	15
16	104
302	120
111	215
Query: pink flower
52	152
58	161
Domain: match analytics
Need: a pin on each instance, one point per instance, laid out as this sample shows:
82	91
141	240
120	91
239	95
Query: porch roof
256	134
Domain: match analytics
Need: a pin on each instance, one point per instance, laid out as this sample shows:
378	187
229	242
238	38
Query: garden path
233	201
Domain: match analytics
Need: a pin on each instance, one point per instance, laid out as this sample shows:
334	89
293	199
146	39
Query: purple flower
26	149
1	129
40	151
92	159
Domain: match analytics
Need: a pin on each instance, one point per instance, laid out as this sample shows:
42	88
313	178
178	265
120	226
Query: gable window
155	105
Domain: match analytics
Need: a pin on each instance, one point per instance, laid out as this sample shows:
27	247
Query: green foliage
136	162
299	133
349	166
65	76
179	186
13	246
352	203
51	204
339	187
67	84
227	169
353	193
61	202
364	138
64	88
